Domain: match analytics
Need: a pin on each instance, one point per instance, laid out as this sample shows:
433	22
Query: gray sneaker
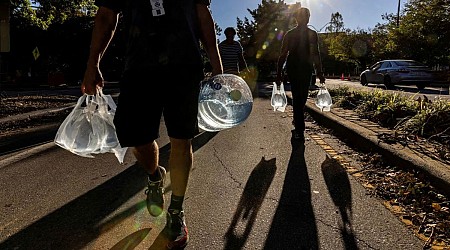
155	194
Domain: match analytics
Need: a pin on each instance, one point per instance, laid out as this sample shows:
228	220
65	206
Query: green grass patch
413	115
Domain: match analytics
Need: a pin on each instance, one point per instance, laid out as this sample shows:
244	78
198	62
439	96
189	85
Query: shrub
419	117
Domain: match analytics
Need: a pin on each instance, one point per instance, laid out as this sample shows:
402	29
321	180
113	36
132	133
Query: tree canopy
43	13
61	30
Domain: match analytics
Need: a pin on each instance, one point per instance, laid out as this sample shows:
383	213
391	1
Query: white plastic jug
225	101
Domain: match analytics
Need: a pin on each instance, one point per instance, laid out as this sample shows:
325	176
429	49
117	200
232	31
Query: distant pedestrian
232	53
301	49
162	43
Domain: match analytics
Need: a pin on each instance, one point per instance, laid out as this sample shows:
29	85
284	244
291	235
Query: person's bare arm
208	37
104	27
314	45
282	59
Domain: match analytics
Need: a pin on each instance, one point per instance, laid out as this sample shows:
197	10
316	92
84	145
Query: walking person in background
300	52
162	40
231	53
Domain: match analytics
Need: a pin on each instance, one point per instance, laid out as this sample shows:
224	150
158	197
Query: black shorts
148	96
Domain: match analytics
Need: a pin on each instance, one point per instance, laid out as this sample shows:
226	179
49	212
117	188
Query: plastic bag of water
323	99
225	101
89	128
279	99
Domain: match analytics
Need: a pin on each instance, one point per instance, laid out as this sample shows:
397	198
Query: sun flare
310	3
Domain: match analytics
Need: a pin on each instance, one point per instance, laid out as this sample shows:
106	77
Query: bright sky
362	14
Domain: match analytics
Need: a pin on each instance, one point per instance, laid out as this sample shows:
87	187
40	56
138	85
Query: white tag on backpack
157	7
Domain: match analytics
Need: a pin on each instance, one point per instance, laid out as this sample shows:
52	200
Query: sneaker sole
178	247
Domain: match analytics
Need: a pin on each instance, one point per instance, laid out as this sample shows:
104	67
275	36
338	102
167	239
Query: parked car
395	72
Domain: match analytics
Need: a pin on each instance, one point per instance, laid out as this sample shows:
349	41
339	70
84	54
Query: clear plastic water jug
225	101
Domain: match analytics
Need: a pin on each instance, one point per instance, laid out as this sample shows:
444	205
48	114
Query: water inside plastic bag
225	101
278	99
89	128
323	100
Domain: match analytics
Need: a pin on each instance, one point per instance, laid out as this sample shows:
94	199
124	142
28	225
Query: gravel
12	106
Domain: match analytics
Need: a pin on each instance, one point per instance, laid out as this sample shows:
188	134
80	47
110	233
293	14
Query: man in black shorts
163	69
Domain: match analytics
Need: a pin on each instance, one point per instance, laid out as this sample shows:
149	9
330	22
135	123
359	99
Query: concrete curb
367	140
37	114
28	137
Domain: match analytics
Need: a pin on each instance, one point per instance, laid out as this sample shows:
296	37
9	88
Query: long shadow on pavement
338	185
77	223
251	200
294	226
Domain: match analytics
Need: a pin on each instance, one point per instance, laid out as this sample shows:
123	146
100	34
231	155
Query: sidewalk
364	134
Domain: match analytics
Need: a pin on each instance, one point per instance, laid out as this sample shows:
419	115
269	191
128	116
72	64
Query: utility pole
398	14
4	32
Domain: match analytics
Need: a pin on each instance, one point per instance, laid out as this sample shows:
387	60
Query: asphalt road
250	188
431	92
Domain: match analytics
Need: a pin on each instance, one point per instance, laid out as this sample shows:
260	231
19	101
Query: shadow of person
294	225
338	184
78	222
250	202
161	241
132	240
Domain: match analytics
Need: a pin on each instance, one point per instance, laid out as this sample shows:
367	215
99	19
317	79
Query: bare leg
148	156
180	162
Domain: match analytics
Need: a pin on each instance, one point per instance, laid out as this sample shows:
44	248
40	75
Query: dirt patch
10	106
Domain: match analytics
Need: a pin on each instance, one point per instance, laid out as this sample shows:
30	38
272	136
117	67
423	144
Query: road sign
36	53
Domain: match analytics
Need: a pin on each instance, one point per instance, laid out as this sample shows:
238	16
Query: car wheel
421	86
388	82
364	80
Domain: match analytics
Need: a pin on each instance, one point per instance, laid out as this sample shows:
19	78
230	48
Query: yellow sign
36	53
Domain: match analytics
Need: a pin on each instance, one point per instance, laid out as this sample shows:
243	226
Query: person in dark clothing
231	53
300	52
162	42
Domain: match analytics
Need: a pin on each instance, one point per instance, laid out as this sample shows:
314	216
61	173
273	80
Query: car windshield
409	63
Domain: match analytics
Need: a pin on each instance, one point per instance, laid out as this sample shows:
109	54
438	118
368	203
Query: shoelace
152	184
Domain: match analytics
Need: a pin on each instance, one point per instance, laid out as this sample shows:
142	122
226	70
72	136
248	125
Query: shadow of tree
250	202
